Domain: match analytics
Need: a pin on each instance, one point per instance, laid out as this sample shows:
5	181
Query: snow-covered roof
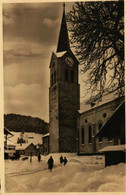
22	146
87	107
47	134
60	54
29	137
10	143
113	148
6	131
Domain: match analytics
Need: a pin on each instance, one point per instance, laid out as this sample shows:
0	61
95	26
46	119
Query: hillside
21	123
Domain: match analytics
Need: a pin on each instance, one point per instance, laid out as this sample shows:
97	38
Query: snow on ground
81	174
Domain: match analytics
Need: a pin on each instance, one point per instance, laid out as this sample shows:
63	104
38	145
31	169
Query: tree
97	35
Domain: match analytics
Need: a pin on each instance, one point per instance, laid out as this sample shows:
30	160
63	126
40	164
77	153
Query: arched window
52	80
53	64
89	134
72	76
82	135
66	75
54	77
99	127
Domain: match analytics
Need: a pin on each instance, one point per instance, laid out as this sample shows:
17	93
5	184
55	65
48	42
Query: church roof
60	54
112	126
63	42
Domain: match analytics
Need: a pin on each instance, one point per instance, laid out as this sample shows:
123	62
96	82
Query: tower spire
63	42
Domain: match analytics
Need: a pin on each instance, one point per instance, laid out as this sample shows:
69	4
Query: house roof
113	125
46	135
22	147
113	148
6	131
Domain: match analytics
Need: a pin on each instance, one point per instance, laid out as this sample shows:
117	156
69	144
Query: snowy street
81	174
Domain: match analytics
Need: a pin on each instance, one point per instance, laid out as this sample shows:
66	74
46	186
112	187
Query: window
53	64
104	115
99	127
72	76
82	135
52	80
66	75
89	134
54	77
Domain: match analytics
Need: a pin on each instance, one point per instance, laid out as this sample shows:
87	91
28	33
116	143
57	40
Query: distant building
46	144
9	151
40	149
26	149
6	134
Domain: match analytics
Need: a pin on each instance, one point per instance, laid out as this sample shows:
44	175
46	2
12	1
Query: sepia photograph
64	96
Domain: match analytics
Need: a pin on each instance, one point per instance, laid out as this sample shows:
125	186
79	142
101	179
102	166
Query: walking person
50	163
61	160
39	157
31	158
65	161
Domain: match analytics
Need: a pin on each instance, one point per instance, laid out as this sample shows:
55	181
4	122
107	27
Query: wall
92	118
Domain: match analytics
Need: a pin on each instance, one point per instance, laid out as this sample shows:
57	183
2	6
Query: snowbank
81	174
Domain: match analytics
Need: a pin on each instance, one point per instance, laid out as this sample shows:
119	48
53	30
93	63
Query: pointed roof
63	42
115	125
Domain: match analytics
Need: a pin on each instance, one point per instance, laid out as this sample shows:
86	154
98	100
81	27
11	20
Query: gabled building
101	126
26	149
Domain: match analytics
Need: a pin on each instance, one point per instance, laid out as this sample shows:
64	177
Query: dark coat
61	159
50	163
65	161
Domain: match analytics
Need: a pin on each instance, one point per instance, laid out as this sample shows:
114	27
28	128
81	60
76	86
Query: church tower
64	95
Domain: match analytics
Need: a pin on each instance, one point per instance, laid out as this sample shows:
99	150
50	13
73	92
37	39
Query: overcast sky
31	33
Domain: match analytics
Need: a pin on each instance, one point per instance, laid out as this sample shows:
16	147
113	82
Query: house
9	150
6	134
26	149
114	154
46	144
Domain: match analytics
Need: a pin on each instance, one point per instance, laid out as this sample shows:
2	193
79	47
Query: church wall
68	105
53	120
92	118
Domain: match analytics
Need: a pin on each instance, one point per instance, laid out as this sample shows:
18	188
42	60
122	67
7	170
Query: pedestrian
39	157
50	163
61	160
65	161
31	158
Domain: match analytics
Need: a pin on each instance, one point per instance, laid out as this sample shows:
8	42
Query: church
70	129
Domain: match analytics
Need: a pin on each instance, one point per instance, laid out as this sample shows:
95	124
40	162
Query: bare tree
97	35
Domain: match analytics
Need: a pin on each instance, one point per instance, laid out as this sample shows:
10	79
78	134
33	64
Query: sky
30	35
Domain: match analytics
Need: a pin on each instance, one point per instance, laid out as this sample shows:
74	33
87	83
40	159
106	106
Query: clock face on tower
69	61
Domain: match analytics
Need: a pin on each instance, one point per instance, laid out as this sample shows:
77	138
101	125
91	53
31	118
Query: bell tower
64	95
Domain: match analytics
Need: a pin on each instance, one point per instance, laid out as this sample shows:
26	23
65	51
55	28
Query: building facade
63	95
91	122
